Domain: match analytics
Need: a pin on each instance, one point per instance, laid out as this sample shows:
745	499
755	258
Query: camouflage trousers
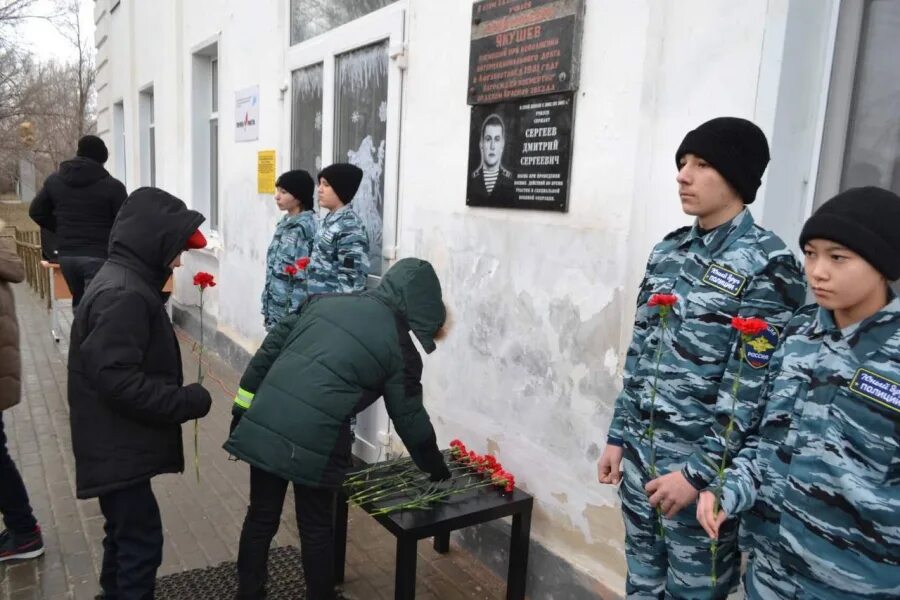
767	580
677	564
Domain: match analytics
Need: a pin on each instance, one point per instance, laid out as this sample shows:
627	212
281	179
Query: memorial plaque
519	153
524	48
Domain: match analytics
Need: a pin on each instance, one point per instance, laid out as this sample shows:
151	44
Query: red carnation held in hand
204	280
662	300
751	326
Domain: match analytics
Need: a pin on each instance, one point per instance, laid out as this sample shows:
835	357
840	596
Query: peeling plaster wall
542	303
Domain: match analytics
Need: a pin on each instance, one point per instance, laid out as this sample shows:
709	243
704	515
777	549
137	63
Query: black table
468	508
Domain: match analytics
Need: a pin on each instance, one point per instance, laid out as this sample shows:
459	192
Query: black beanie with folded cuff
299	184
735	147
344	179
867	221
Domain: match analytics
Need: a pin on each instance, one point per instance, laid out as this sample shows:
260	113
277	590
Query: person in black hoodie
79	204
127	397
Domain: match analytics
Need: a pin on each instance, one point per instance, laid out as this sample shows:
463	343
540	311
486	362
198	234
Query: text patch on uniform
876	388
722	279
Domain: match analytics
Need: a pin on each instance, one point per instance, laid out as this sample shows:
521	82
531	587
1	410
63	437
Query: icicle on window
310	18
360	129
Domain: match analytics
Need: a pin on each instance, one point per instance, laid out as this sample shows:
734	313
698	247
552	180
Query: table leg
442	543
405	574
341	511
518	555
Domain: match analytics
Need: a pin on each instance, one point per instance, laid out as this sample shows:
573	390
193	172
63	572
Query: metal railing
28	245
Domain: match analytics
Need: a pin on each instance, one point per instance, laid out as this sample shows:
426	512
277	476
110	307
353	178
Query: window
872	151
147	137
205	134
310	18
345	108
119	141
861	142
861	138
214	145
306	110
360	129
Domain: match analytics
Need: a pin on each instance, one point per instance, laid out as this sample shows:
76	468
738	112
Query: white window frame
119	138
386	23
201	58
214	159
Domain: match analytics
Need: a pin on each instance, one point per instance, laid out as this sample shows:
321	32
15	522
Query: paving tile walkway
202	521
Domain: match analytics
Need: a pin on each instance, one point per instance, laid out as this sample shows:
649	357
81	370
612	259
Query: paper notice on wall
246	114
265	172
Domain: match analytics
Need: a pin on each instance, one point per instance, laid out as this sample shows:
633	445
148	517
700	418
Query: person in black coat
78	204
126	391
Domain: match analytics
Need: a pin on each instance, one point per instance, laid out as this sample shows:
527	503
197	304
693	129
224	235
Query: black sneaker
21	547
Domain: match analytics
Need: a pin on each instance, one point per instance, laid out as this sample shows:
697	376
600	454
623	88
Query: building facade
190	92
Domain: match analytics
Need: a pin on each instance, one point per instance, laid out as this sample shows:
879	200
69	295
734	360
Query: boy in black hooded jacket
126	390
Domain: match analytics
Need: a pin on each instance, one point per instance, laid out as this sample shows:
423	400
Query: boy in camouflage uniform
818	481
285	290
340	255
723	266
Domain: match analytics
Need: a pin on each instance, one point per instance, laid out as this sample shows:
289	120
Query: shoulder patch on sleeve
758	351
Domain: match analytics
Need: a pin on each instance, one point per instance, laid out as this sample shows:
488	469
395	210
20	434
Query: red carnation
204	280
751	326
662	300
302	263
290	270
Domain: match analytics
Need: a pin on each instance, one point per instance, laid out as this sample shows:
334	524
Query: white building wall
542	303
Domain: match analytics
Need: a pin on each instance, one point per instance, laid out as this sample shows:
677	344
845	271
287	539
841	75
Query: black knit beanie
735	147
90	146
344	178
866	220
300	185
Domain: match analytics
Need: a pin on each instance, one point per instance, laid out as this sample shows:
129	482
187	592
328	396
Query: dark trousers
78	272
132	548
315	520
17	515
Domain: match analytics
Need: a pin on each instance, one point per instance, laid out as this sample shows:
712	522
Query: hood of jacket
412	289
81	172
151	229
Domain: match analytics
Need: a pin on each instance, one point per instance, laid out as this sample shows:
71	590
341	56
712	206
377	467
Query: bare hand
710	521
671	493
609	467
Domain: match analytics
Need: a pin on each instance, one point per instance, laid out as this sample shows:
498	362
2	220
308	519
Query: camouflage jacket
737	269
340	255
821	474
293	239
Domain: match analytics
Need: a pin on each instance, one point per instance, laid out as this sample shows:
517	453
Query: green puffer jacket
318	368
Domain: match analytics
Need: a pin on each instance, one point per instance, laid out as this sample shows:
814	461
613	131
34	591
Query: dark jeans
132	548
17	515
315	520
78	272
